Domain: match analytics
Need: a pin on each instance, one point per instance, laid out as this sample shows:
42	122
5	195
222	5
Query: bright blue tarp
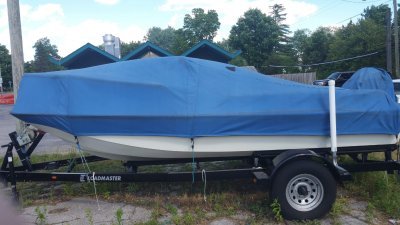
371	78
187	97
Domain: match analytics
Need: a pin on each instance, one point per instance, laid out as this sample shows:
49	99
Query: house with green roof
86	56
207	50
90	55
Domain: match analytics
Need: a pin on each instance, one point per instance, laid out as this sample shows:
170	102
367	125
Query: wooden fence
305	78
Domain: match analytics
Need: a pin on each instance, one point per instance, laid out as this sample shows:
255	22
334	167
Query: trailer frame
263	166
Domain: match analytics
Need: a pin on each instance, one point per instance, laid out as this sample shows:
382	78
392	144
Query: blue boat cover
371	78
187	97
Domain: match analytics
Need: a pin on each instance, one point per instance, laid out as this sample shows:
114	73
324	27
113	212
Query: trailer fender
290	156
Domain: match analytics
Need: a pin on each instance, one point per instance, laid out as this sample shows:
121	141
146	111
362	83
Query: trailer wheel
305	190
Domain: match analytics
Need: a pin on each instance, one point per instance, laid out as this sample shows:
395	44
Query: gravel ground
49	143
75	212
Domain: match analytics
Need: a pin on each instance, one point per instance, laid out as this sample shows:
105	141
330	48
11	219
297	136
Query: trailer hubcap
304	192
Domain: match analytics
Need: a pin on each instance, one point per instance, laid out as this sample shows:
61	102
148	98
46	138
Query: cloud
45	12
48	21
175	20
230	11
107	2
70	38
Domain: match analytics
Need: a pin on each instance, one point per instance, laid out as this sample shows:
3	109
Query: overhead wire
324	63
349	18
323	9
363	1
340	60
328	7
359	13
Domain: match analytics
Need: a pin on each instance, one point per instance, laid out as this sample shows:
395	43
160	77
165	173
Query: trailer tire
305	190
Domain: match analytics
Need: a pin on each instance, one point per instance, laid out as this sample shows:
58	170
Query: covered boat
159	108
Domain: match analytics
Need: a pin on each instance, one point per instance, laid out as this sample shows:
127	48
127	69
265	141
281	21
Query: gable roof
145	48
207	50
85	56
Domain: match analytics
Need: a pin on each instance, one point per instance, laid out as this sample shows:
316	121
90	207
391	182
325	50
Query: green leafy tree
316	50
200	25
366	36
5	65
43	50
197	26
283	53
256	35
238	60
181	42
28	67
127	47
299	43
376	13
164	38
279	16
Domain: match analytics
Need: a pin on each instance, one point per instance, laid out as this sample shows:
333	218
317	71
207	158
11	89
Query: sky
69	24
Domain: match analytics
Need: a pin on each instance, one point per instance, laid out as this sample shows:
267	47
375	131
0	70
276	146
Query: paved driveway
49	143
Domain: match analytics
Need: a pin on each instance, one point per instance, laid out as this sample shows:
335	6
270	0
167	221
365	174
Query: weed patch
381	189
41	215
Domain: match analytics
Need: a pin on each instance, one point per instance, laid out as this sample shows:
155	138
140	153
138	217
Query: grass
276	209
41	215
380	189
224	199
118	216
89	216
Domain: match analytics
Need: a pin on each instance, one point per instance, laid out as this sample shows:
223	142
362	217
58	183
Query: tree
317	46
238	60
200	26
366	36
5	65
256	35
43	50
127	47
197	26
283	53
164	38
28	67
279	17
376	13
299	43
181	42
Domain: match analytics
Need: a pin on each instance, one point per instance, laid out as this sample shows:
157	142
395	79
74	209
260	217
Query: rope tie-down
203	172
86	165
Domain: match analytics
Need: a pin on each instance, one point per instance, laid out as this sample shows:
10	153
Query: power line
323	9
349	18
329	62
359	13
362	2
329	7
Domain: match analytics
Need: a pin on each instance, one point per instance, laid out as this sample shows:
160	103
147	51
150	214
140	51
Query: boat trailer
265	168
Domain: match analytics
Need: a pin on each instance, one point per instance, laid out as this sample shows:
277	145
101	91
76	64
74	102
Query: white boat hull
139	148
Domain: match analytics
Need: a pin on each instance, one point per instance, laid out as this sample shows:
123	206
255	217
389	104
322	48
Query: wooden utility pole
17	54
388	19
396	40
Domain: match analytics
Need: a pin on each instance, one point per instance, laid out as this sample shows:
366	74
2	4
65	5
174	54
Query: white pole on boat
332	117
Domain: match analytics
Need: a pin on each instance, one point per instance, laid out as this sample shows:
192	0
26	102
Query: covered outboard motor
371	78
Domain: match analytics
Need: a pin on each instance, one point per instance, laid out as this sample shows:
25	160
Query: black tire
306	178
